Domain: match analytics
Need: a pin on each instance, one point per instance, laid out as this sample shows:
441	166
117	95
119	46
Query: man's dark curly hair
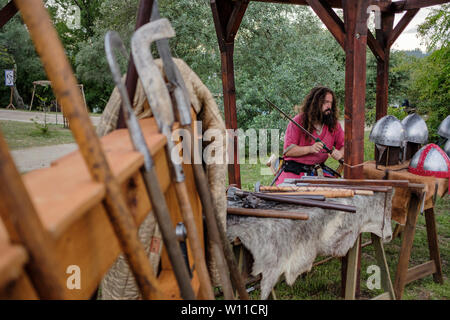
312	109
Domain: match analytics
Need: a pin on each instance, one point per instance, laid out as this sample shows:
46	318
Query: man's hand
316	147
336	154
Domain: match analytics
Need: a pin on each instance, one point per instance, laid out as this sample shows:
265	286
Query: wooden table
407	204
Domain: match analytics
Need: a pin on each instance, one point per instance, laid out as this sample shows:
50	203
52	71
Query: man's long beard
328	120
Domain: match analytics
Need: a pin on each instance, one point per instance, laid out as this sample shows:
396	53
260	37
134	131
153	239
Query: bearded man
318	114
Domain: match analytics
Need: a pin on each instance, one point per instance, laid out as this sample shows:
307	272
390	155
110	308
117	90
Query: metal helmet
415	129
447	148
388	131
444	128
430	160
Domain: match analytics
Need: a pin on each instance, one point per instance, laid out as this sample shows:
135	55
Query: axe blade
177	86
113	41
151	78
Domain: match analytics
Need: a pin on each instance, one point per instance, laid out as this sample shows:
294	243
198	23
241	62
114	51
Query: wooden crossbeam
375	46
7	12
329	18
401	25
399	6
235	19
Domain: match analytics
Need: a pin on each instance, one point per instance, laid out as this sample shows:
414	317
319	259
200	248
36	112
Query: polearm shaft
160	209
64	85
316	139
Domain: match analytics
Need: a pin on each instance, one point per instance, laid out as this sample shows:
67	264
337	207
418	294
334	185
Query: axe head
152	81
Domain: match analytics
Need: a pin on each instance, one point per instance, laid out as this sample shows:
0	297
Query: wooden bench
70	207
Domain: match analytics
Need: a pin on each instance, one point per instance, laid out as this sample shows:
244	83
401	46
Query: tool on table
233	191
263	213
160	104
113	41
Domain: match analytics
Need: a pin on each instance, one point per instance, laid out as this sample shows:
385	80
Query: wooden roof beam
235	19
330	19
401	25
399	6
7	12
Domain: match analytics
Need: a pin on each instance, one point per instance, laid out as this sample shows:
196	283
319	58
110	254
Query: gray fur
289	247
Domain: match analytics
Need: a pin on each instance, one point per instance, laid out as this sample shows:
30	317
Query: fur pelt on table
289	247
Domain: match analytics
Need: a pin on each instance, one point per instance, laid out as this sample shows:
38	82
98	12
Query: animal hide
289	247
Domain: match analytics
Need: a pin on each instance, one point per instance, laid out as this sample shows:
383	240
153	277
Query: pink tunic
295	135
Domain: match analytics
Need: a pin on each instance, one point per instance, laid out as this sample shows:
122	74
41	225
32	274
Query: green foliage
436	28
16	43
399	113
430	88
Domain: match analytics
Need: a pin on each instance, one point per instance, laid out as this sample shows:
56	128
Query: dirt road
26	116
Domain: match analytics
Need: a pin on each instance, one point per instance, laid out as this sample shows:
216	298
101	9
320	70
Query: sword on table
316	139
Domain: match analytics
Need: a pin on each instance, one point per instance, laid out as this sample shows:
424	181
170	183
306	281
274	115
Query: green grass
21	135
324	282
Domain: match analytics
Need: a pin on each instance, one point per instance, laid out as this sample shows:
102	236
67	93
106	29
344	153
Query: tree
16	43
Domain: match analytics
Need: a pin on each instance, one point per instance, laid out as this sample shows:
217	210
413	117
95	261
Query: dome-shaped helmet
415	129
444	128
430	160
388	131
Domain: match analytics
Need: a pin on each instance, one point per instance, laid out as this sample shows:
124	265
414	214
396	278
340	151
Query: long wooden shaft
144	13
66	91
194	241
167	232
23	225
308	203
262	213
361	182
215	229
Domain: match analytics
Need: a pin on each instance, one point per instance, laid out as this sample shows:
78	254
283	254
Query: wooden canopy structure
353	36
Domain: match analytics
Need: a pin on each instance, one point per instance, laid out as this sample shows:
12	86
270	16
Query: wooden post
382	36
355	19
24	227
144	13
227	19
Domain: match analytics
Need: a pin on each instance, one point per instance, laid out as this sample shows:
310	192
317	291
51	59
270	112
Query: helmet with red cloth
430	160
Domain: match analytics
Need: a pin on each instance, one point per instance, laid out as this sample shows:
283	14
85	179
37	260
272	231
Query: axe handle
169	238
64	85
214	226
194	241
268	213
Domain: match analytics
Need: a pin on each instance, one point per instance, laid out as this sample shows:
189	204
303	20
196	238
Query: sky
408	40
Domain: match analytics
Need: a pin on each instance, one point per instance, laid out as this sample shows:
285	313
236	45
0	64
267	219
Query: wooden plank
143	16
375	47
383	296
399	6
329	19
355	19
352	271
20	289
401	25
12	261
407	243
384	268
387	22
433	244
362	182
420	271
7	12
24	227
61	196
